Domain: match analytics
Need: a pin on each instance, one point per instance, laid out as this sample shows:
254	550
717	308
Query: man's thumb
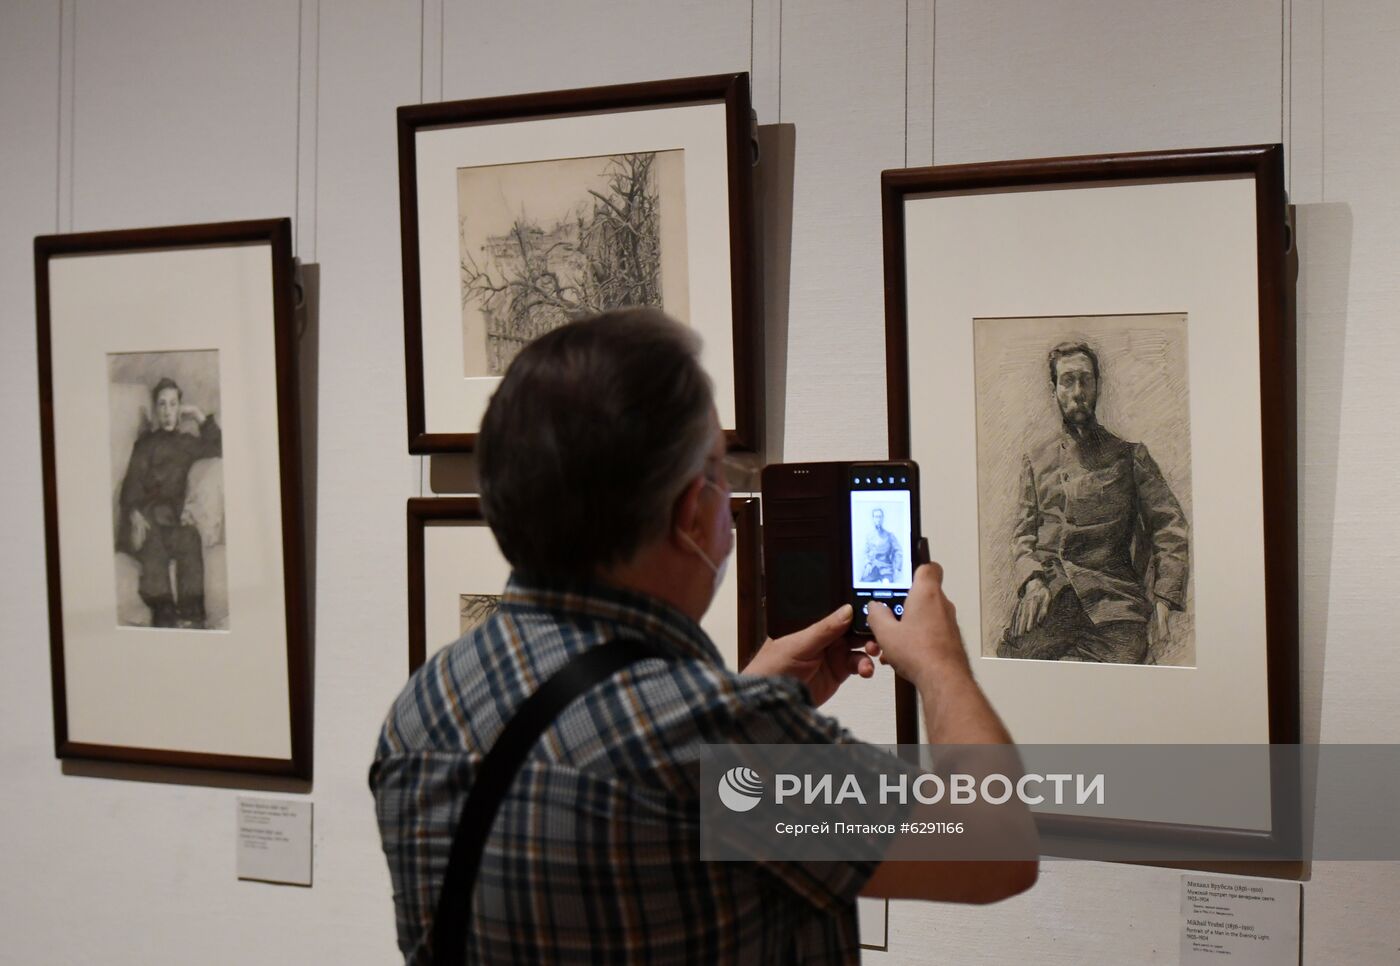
838	620
830	627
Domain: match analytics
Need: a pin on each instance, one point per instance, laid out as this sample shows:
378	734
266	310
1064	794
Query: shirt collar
593	600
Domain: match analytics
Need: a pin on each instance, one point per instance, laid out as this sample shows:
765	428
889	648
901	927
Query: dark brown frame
277	233
733	90
466	510
1278	393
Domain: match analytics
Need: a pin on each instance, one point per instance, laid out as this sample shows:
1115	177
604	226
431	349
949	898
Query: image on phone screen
882	565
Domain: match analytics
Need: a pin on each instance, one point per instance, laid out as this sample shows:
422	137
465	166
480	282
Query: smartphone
884	521
836	533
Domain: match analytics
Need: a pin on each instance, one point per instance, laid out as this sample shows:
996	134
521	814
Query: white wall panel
29	834
1078	914
1324	238
921	18
1349	353
766	31
157	125
532	45
369	65
1025	78
843	91
185	111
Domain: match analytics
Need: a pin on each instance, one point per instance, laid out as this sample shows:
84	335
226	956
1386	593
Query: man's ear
685	513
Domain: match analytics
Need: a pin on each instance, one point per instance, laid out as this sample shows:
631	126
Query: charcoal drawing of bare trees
476	609
545	242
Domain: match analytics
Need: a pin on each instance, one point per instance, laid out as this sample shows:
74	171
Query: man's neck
658	575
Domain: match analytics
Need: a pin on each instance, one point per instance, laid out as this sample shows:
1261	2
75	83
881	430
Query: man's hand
820	656
927	649
1159	632
927	640
193	412
1032	608
139	529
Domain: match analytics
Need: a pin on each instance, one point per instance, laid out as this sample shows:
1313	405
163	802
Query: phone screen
882	538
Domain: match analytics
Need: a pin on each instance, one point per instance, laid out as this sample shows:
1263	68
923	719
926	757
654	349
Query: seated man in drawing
1096	519
157	526
884	558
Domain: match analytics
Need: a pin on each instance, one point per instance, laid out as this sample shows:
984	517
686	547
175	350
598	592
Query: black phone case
807	540
806	543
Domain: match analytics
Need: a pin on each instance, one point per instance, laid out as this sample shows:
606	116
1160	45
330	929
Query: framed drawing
177	619
519	213
1092	359
456	574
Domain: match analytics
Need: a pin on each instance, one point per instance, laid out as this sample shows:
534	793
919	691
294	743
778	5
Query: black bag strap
498	771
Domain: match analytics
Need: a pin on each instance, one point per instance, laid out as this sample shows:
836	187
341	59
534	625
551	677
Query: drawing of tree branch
604	253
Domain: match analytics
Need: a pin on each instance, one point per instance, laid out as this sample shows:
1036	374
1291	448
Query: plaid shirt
594	854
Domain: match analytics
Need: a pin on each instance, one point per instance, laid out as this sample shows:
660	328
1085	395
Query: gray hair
594	432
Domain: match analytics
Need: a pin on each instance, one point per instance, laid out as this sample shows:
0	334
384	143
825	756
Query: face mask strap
690	541
717	569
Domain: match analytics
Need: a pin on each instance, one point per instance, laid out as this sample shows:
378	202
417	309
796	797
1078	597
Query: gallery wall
125	113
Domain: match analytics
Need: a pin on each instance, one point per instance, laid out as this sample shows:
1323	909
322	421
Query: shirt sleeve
1028	559
133	495
778	710
1166	527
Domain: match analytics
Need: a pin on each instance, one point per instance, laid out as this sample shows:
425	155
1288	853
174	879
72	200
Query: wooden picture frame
183	337
1111	245
473	248
471	557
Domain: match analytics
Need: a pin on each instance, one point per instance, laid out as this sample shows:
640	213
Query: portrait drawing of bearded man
1100	548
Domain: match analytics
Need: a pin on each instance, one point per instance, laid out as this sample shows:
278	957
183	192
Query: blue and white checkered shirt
594	854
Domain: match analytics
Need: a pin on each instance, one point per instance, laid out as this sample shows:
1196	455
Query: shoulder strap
498	771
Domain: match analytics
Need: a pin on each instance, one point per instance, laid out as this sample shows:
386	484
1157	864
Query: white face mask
718	569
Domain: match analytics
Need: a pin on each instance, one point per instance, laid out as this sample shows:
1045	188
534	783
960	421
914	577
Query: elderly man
602	478
1097	518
